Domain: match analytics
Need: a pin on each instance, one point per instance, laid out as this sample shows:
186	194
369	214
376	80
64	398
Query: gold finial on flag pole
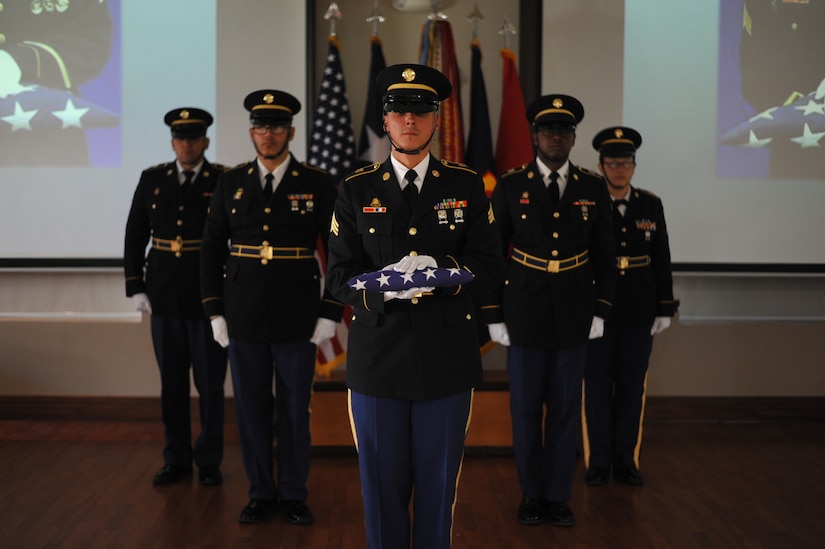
332	15
507	29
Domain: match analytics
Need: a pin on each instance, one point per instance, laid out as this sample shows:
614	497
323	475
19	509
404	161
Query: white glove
499	334
596	327
220	333
141	303
324	329
660	324
412	263
409	293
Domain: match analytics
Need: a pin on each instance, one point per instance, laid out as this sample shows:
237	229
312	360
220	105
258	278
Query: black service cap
555	109
271	106
617	141
412	88
188	122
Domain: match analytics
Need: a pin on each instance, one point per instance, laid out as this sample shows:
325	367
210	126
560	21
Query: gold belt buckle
553	266
266	251
624	262
176	245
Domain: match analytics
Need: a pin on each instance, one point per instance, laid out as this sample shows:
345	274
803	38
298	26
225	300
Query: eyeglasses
274	130
623	164
556	132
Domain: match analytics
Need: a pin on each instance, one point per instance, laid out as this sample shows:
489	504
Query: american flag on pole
513	145
479	155
332	146
438	51
374	145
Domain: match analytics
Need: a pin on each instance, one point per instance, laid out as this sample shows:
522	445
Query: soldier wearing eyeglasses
261	288
617	362
554	219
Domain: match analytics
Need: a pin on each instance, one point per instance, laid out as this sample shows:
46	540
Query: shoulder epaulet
220	167
589	172
160	166
314	167
513	171
646	192
241	165
364	170
458	166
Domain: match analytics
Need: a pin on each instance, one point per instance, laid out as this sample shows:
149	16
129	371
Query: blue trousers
179	344
614	390
545	385
409	450
254	366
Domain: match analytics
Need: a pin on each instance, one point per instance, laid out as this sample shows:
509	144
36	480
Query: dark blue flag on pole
374	145
479	154
333	143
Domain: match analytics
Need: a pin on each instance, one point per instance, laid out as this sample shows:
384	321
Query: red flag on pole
438	51
513	146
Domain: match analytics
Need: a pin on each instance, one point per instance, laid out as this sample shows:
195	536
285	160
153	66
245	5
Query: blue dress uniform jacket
645	283
544	309
269	288
427	347
172	221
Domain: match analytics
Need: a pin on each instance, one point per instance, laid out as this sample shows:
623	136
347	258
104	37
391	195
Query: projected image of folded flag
393	281
41	108
801	122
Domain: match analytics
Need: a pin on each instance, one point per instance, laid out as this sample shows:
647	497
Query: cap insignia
618	133
269	98
557	103
184	114
408	75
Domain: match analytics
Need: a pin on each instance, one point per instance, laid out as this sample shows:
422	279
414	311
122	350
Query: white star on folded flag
21	119
390	280
333	143
71	115
801	122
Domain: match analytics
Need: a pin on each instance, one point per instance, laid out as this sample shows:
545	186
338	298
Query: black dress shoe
209	475
628	475
296	512
597	475
256	511
558	513
530	511
171	473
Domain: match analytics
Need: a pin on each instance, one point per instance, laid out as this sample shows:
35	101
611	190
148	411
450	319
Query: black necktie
268	186
188	175
553	188
411	191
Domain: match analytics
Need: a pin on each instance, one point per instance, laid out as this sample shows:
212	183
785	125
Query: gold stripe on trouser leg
585	439
461	465
351	421
637	450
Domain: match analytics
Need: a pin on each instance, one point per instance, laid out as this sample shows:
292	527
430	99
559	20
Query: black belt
265	252
628	262
549	265
177	246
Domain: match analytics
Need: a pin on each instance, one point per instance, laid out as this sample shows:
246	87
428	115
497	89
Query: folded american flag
393	281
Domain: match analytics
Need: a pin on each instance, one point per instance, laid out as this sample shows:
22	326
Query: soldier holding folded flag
413	354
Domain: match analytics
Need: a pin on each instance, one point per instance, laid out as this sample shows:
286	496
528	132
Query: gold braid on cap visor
548	111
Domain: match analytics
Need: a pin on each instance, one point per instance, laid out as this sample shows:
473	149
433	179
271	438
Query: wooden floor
758	484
